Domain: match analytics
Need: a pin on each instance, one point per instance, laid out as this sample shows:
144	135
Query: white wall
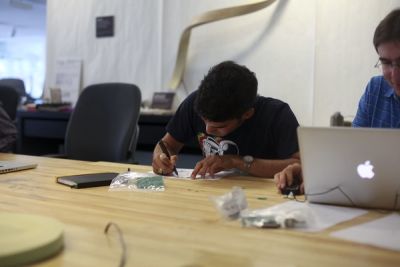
317	55
132	56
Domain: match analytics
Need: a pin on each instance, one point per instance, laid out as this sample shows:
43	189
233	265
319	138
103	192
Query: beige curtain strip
208	17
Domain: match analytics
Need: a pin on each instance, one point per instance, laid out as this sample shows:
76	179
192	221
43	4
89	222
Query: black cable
121	239
340	189
322	193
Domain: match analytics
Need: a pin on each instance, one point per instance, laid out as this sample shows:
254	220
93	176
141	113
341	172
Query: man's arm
268	168
161	164
259	167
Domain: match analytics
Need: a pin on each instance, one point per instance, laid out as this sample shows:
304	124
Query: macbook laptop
351	166
12	166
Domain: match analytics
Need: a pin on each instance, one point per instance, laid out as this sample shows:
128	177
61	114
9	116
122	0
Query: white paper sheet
185	174
68	79
320	217
384	232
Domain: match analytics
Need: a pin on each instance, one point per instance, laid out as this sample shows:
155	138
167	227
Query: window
23	42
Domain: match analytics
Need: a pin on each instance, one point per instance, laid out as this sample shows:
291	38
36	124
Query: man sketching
235	128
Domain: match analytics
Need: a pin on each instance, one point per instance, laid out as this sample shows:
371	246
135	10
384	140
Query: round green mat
26	238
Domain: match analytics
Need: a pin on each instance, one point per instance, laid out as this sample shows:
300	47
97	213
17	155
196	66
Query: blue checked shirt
379	107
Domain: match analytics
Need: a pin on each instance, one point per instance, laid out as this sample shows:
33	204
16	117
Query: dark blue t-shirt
269	134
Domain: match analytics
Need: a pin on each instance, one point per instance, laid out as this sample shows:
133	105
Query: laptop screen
351	166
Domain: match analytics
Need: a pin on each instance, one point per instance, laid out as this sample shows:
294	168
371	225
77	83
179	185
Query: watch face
248	159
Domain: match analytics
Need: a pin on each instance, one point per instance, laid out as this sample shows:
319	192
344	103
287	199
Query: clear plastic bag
230	204
137	181
278	217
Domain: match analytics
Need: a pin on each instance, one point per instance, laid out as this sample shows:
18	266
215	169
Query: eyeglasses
387	65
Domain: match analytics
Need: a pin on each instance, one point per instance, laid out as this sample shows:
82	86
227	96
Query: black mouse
294	187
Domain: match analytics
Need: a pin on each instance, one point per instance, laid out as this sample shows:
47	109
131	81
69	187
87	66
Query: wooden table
178	227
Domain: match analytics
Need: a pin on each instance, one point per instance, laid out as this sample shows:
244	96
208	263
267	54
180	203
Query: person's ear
248	114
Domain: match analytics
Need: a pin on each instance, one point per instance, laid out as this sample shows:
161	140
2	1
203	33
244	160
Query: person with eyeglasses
379	106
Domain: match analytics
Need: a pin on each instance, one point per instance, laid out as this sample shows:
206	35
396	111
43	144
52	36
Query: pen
165	151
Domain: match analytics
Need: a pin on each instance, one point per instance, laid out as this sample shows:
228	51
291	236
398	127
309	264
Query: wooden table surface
179	227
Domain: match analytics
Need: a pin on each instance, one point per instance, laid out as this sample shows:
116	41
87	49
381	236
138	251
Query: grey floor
184	161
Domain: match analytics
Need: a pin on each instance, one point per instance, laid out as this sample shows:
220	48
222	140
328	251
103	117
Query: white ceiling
22	18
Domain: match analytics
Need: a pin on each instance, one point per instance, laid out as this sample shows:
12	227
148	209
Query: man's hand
162	164
213	164
288	175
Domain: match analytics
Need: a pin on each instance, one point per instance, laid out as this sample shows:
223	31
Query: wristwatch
248	160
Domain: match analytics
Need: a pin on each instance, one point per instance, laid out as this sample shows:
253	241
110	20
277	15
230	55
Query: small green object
262	198
152	182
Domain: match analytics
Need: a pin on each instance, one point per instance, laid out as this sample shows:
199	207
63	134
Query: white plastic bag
137	181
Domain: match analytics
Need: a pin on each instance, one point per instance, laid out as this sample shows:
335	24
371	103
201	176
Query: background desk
43	132
178	227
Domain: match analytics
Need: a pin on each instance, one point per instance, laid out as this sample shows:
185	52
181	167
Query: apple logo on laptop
365	171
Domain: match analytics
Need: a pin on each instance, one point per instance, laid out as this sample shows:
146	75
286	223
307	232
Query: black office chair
104	123
17	84
9	98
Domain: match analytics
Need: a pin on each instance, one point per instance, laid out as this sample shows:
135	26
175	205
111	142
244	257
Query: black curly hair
226	92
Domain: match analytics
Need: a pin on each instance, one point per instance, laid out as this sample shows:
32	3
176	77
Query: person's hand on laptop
288	177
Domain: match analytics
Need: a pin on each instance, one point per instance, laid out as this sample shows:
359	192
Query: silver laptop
12	166
351	166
